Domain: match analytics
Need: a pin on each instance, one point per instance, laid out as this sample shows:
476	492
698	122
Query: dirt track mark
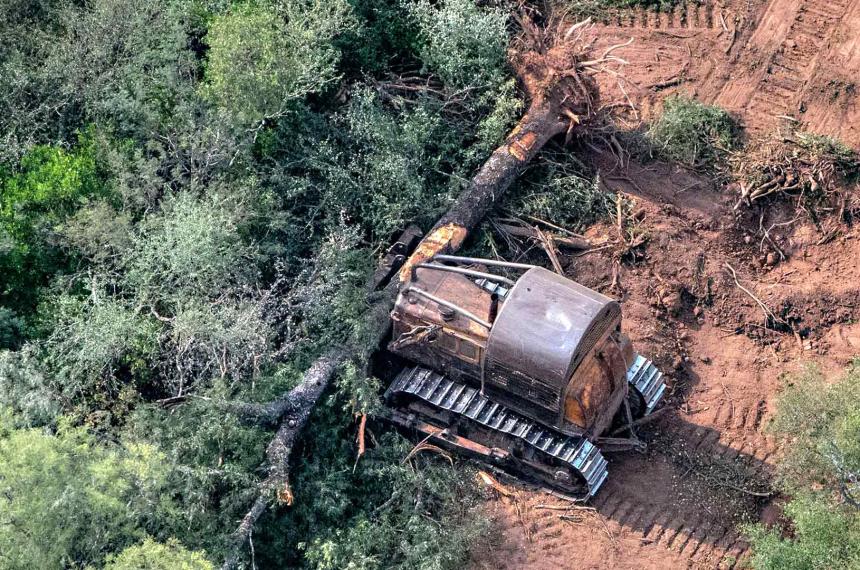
689	15
759	59
693	533
792	64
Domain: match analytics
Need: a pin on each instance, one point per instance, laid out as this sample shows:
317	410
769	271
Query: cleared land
708	466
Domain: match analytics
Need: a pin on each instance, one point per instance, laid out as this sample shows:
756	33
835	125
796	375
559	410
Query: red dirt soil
679	505
759	60
709	461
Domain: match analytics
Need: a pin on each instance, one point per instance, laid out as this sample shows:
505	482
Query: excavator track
576	454
646	379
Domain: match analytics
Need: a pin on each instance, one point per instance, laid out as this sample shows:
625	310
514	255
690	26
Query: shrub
125	63
262	59
66	501
49	183
822	462
382	36
824	536
93	341
191	248
214	461
25	390
823	422
48	186
692	133
11	329
462	43
152	555
98	232
380	169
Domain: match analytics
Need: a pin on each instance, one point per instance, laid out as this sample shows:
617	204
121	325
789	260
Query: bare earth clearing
707	467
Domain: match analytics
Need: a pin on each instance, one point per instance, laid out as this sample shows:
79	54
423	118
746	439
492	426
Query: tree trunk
486	188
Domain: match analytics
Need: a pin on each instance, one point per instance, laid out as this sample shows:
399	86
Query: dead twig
555	227
531	232
428	447
549	247
765	309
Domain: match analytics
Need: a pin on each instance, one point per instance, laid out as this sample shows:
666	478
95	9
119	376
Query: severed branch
549	246
262	414
531	232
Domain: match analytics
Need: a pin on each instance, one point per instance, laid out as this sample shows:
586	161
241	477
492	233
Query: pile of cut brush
817	172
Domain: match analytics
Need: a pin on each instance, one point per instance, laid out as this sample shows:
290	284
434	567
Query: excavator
514	365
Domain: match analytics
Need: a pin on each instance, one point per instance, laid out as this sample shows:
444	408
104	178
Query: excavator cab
540	353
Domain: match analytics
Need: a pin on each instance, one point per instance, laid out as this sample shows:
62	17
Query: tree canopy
193	197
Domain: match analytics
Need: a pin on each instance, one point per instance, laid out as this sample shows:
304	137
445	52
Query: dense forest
193	195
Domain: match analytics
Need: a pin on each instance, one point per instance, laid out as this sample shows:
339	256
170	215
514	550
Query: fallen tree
554	66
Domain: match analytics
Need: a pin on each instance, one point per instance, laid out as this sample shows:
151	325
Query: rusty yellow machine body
526	373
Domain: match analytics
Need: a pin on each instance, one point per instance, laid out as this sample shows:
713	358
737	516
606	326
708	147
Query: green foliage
190	248
213	462
462	43
94	344
822	422
362	392
570	201
98	232
559	190
367	166
381	37
494	128
27	97
692	133
11	328
24	389
48	185
209	236
264	58
66	500
387	178
151	555
824	536
377	513
332	297
124	62
845	160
